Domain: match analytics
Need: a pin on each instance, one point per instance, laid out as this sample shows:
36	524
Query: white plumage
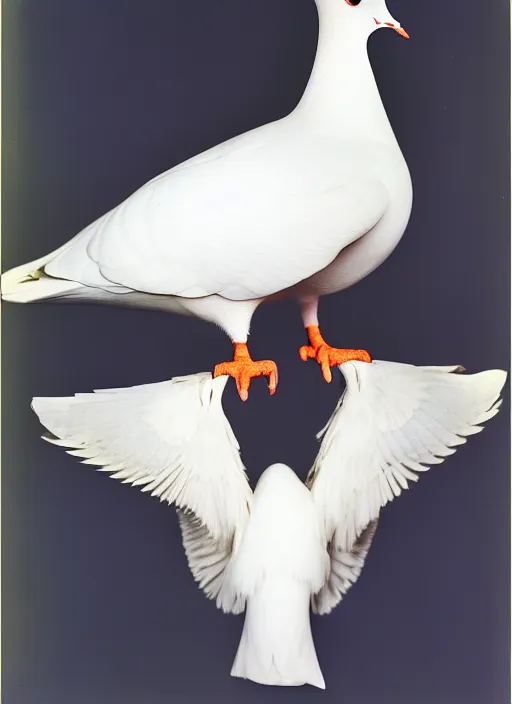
303	206
172	439
288	546
393	422
281	561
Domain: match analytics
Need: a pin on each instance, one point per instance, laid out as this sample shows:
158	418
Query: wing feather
393	422
345	569
208	559
172	439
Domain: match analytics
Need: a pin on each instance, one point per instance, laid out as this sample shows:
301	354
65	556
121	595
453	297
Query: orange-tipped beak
400	30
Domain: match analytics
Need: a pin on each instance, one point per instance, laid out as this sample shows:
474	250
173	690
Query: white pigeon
302	207
275	552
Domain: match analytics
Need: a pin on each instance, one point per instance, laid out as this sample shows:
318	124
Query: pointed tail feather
28	283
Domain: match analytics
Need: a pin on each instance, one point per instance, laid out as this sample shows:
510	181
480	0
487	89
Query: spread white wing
268	211
393	422
173	440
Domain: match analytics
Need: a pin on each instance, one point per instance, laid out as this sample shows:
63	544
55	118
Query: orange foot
243	369
328	356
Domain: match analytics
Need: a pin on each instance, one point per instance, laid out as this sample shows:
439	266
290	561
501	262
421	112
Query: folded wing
244	225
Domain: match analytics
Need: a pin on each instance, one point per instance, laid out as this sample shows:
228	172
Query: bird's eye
353	3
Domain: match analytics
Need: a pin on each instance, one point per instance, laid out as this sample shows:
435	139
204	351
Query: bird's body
280	564
231	222
303	207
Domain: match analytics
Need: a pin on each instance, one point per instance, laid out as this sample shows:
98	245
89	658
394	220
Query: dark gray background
100	96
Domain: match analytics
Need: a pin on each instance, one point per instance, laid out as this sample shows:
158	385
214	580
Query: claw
272	381
307	352
328	356
324	361
243	369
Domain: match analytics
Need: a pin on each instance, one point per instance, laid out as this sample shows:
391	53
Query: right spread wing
244	224
393	422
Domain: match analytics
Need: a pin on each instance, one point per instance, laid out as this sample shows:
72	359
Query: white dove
304	206
287	546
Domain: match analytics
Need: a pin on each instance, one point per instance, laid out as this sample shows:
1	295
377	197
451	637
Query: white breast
366	254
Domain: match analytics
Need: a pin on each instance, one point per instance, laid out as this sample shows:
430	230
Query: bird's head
364	16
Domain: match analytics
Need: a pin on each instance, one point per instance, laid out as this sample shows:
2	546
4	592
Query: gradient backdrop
99	607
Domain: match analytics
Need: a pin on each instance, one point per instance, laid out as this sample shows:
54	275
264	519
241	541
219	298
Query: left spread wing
393	422
173	440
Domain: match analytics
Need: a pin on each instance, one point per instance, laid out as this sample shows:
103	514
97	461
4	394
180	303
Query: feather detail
208	559
345	569
393	422
172	439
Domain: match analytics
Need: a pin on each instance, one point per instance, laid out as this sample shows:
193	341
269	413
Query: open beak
396	27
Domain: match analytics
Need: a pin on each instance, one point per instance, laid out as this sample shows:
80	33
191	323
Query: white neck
342	94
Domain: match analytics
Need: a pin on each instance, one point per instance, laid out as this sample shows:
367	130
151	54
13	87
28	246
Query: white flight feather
172	439
344	570
208	559
392	422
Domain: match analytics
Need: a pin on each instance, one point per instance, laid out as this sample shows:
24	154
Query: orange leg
328	356
243	369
